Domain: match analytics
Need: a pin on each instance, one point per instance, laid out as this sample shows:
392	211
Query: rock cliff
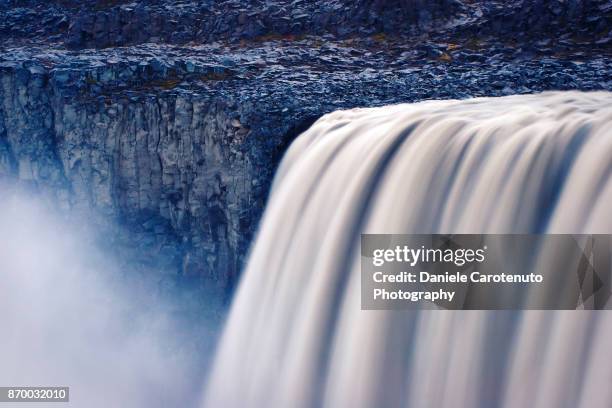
164	122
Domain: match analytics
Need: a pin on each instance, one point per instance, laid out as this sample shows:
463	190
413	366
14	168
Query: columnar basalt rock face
173	170
172	166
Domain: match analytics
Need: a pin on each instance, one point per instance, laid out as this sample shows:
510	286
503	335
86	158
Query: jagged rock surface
107	23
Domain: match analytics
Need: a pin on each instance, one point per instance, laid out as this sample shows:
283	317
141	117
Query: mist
70	315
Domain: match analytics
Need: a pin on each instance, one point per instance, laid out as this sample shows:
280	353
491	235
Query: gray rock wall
170	170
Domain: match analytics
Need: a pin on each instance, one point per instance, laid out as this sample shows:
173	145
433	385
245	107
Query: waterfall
296	335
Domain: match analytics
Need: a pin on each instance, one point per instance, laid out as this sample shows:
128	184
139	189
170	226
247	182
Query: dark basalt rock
102	24
111	23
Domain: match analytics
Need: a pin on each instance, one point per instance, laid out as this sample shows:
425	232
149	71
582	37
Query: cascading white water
297	337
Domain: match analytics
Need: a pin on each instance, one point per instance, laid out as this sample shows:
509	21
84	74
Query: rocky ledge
111	23
171	148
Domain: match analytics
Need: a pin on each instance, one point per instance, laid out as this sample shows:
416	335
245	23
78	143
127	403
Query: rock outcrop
112	23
